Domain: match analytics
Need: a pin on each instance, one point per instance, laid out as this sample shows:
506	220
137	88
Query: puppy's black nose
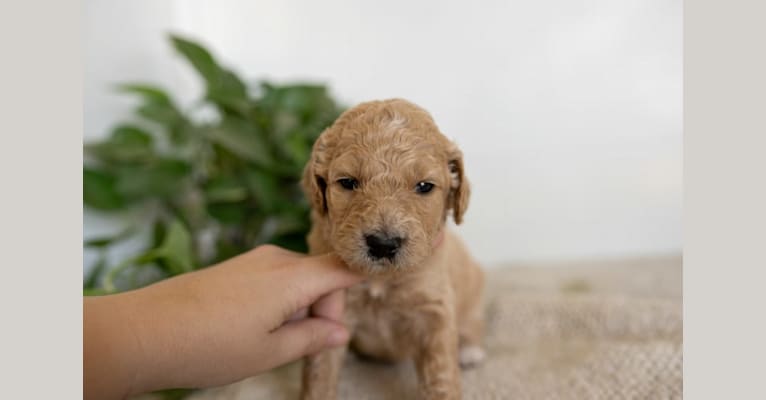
382	246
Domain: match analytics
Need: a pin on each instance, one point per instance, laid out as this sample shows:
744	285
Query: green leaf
308	103
228	213
99	242
130	135
94	292
99	190
224	87
198	56
226	189
298	149
92	279
264	187
229	92
174	394
290	223
293	241
225	250
243	139
152	94
127	143
162	178
158	107
161	114
175	251
105	241
159	230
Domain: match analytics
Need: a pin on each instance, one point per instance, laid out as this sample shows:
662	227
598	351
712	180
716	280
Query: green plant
234	179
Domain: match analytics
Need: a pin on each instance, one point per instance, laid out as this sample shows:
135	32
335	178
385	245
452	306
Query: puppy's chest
388	320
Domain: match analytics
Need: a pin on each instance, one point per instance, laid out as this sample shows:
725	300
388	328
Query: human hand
217	325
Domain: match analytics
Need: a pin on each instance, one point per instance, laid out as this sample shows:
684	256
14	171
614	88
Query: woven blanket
600	330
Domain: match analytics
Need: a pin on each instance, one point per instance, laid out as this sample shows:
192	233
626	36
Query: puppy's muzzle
382	246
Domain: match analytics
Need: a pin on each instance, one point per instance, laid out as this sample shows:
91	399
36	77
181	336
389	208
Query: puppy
382	181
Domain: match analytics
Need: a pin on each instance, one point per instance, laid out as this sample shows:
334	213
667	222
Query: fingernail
337	337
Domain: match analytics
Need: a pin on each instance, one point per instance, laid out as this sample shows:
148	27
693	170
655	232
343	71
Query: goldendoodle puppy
382	181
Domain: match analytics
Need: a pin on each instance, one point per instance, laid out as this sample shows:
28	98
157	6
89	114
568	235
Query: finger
320	275
330	306
332	271
307	336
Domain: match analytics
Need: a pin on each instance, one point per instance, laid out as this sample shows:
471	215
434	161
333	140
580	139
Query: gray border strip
41	206
725	199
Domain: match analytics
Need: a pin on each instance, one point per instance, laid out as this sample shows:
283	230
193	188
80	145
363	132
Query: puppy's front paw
471	356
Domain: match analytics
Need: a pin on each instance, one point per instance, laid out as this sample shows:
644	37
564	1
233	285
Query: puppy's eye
424	187
348	183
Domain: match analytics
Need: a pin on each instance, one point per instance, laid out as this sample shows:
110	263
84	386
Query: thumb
307	336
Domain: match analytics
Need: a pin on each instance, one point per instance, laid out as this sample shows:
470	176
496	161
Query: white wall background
568	112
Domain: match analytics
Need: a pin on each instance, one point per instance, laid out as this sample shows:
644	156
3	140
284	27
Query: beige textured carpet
606	330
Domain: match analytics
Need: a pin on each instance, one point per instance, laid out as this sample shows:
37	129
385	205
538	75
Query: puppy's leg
471	329
437	365
321	373
471	333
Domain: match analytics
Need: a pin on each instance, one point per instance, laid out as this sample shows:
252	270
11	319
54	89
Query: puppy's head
383	179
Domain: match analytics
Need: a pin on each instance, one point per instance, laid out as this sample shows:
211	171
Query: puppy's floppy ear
460	189
314	181
314	186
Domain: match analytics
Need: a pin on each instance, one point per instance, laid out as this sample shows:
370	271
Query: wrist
110	350
137	354
163	322
145	323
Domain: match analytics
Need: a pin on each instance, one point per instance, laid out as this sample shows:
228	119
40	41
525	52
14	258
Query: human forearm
214	326
110	347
